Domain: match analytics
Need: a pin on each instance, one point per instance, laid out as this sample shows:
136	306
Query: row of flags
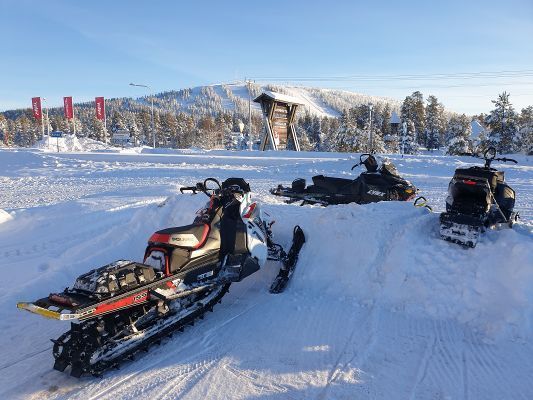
68	108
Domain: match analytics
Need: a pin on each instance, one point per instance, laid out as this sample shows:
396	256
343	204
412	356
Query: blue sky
95	48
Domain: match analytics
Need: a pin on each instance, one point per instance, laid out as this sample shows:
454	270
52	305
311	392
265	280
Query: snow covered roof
394	119
477	129
279	97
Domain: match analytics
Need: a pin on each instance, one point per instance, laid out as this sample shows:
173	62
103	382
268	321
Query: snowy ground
379	307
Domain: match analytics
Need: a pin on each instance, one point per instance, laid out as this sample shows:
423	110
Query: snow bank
390	255
4	216
71	143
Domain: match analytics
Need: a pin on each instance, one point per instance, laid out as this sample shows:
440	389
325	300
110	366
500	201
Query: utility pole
250	141
42	124
73	119
404	130
152	109
370	107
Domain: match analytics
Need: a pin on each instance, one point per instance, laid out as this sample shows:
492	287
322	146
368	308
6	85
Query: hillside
233	97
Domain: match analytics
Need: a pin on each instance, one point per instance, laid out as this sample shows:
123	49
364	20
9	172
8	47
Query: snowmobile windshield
389	168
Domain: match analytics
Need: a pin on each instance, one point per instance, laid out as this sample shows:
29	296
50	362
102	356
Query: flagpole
105	125
73	119
42	123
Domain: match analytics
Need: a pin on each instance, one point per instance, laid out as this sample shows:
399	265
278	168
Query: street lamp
152	108
47	123
370	108
47	120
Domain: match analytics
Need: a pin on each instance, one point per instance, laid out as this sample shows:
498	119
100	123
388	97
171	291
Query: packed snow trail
379	306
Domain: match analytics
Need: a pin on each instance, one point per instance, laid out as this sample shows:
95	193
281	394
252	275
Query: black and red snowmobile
478	199
124	307
376	184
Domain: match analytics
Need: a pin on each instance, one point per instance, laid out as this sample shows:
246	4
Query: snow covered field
379	307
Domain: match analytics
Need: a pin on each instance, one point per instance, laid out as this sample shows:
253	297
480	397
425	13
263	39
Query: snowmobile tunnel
279	112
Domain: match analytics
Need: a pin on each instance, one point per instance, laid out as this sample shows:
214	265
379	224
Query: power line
436	76
461	85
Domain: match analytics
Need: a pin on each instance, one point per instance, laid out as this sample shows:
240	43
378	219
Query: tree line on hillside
418	123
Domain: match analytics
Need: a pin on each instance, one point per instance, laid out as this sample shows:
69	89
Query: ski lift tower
279	112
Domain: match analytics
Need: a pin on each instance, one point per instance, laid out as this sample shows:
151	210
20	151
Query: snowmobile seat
388	168
492	176
188	236
372	178
331	184
470	199
298	185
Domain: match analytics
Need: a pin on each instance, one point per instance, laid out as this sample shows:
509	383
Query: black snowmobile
478	198
376	184
124	307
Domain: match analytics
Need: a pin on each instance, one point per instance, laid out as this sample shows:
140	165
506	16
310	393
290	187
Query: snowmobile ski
289	261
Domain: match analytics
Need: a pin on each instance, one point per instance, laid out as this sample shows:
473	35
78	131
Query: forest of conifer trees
201	117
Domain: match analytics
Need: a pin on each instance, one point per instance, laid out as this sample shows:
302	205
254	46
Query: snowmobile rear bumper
460	228
46	312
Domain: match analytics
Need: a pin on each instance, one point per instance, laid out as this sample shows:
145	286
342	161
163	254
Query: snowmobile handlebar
506	160
212	191
203	187
489	156
193	189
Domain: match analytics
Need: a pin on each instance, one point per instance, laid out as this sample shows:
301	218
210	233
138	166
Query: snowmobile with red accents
122	308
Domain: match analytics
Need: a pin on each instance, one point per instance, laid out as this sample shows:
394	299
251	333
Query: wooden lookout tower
279	112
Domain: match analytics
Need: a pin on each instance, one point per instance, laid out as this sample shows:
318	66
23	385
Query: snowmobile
376	184
478	198
124	307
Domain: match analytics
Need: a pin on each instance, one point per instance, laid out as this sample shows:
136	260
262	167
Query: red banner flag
100	108
36	107
69	113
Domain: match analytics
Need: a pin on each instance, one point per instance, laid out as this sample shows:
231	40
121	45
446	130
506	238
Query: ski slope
379	307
